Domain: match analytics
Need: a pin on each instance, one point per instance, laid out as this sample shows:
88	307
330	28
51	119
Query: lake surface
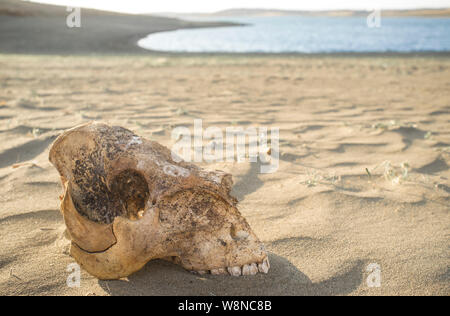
296	34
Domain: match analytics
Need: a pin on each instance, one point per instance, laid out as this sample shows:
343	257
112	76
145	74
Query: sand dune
363	175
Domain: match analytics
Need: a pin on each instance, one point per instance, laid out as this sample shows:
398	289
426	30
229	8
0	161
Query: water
290	34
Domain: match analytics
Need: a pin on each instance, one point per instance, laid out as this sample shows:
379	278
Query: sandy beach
363	177
323	218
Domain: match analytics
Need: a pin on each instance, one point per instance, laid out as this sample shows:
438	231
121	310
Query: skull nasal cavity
131	189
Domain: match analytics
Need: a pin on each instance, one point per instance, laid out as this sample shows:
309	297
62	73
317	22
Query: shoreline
38	29
425	54
153	53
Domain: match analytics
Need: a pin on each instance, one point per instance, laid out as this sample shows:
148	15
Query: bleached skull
127	202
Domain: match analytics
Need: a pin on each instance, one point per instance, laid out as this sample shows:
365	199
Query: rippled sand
363	176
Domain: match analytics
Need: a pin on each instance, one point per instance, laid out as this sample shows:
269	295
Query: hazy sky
140	6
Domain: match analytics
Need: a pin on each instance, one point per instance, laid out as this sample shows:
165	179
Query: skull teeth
221	271
250	269
235	271
247	269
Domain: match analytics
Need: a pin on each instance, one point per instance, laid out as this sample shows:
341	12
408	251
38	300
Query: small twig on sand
368	172
22	164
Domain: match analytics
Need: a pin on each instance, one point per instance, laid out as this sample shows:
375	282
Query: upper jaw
246	269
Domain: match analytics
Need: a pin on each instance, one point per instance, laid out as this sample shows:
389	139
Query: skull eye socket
131	189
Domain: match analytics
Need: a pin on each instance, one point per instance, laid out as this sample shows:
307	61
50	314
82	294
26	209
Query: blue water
309	35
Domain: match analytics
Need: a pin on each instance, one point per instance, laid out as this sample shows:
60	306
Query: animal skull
127	202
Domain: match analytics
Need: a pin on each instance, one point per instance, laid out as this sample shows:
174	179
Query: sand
364	140
363	175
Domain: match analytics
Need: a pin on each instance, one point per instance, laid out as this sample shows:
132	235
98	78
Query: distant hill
338	13
33	28
25	8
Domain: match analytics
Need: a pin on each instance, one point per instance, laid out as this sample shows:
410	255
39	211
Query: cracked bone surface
127	202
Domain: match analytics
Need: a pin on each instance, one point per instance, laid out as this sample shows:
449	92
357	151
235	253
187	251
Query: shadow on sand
163	278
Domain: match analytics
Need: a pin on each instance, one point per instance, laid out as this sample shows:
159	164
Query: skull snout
217	237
